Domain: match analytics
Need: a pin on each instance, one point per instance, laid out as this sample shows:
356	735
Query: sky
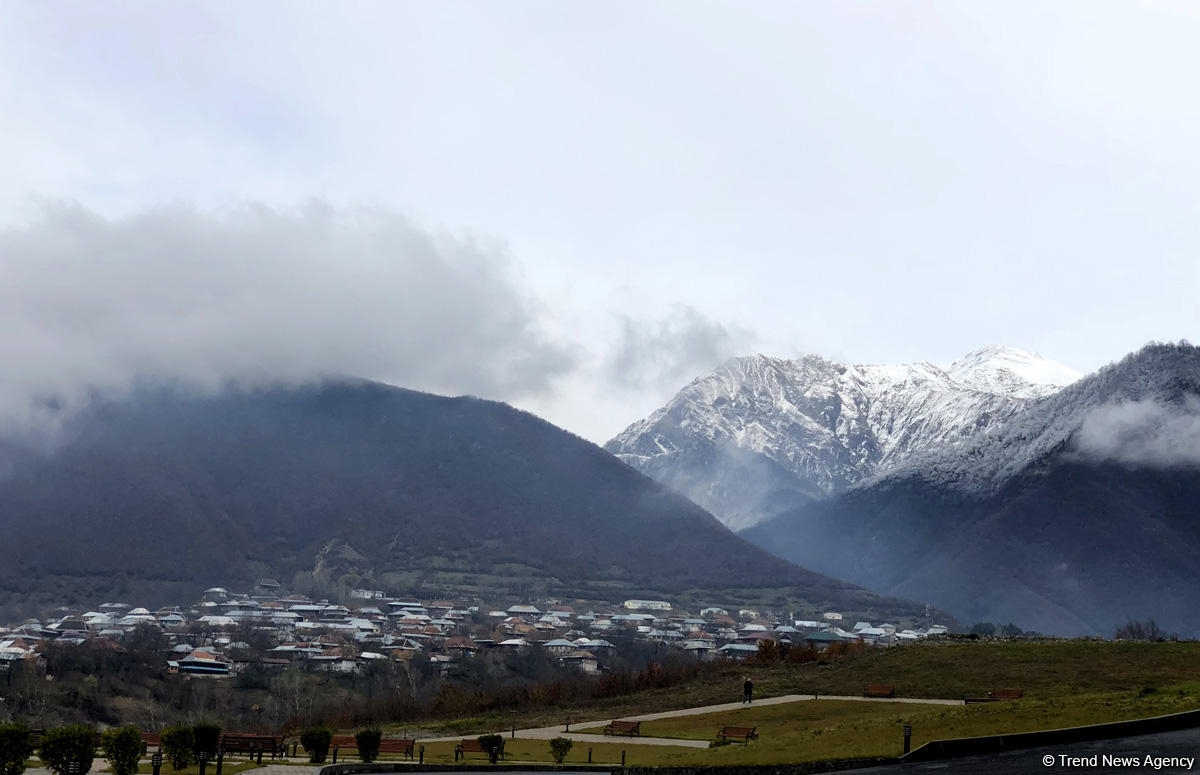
579	207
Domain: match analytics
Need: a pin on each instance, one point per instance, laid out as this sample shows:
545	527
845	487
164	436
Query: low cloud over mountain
255	294
1147	433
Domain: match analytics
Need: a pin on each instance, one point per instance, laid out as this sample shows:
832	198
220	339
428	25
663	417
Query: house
647	605
580	659
738	650
831	616
202	662
461	646
700	648
560	646
822	640
875	635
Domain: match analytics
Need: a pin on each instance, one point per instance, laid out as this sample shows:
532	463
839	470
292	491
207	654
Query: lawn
1044	669
840	729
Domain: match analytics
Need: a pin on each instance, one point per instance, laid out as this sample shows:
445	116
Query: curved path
562	730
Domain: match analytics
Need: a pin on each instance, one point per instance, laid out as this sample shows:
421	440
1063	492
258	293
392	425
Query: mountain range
157	495
986	487
760	435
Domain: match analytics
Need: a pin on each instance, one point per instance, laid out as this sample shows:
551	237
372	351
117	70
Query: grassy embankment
1066	683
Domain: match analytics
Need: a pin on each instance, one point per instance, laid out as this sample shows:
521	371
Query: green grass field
1066	683
836	729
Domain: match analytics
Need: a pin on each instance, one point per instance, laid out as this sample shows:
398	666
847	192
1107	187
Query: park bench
880	690
629	728
151	740
235	742
745	734
996	695
471	745
402	745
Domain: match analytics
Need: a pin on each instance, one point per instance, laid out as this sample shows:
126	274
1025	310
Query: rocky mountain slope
157	496
761	436
1073	517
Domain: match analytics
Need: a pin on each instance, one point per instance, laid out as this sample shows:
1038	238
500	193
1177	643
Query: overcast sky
578	207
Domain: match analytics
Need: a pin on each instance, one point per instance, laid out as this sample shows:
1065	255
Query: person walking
747	691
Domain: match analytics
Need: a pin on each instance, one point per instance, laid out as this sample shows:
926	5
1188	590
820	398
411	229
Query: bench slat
745	734
471	745
629	728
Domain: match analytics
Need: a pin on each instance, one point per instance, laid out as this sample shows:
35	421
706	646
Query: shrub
177	744
367	741
16	745
1147	630
560	747
768	651
207	736
122	748
493	745
65	746
316	743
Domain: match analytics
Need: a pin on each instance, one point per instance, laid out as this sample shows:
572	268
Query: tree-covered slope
364	484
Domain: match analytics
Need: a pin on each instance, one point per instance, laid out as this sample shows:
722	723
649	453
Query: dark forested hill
160	495
1074	517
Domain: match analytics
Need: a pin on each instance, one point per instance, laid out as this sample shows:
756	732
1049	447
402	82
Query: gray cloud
673	350
1146	433
256	294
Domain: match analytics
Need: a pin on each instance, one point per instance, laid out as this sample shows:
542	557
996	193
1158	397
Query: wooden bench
996	695
151	740
471	745
251	744
880	690
745	734
629	728
399	745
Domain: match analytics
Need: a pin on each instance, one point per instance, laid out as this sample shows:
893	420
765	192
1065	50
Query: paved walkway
560	730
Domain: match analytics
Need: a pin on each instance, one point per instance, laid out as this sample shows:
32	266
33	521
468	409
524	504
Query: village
225	632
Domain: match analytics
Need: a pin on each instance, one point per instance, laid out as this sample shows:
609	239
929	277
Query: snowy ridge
828	424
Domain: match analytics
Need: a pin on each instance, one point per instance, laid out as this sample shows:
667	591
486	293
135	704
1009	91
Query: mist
1147	433
254	294
668	352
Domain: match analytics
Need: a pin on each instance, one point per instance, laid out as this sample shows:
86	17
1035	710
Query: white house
647	605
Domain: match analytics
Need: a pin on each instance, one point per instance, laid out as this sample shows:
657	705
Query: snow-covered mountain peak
759	432
1011	371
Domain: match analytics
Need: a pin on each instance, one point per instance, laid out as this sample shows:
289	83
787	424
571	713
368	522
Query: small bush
207	736
122	747
560	747
177	744
65	746
316	743
367	741
16	746
493	745
1147	630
